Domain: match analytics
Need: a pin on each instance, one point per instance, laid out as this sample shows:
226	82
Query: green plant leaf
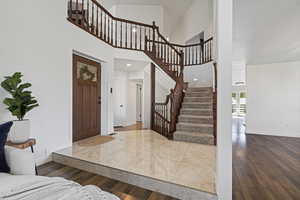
31	107
22	101
5	85
23	86
9	101
26	93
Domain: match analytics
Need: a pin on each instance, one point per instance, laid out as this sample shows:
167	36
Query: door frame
139	102
75	58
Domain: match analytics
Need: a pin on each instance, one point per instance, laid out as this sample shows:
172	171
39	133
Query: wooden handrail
195	54
184	46
177	98
166	41
164	54
162	117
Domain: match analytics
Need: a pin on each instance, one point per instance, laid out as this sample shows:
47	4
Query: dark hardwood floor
122	190
265	167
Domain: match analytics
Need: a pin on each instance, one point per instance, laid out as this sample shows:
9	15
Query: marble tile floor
148	154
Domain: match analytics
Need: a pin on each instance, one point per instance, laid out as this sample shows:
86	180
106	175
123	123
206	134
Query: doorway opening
239	104
129	94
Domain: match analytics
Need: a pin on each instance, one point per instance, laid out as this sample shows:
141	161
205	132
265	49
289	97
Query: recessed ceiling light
195	79
168	38
128	65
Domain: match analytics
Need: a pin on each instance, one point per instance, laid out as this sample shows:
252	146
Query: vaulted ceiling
266	31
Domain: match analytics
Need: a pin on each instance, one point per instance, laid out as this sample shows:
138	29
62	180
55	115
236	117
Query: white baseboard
273	133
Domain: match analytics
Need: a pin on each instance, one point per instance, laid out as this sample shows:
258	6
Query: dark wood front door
86	98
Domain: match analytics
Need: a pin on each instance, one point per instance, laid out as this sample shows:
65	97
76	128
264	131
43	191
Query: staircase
93	18
195	122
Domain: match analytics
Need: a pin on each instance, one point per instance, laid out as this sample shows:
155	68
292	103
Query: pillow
4	130
20	162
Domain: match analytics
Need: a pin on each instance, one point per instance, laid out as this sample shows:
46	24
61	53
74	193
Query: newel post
181	63
172	111
202	51
146	43
152	96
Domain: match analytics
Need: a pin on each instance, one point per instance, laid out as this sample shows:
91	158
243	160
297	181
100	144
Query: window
86	72
242	102
239	103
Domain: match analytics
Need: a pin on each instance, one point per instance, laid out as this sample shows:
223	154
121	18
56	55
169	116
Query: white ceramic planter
20	131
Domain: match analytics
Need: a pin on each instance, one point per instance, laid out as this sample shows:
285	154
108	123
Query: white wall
199	75
198	18
138	75
259	43
141	13
160	93
163	80
224	116
120	98
238	72
163	83
131	55
37	40
273	99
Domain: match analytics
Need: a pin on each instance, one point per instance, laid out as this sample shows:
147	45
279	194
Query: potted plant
20	103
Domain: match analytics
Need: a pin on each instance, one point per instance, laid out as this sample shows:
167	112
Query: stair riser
200	100
196	112
198	140
198	94
199	90
196	120
197	106
194	129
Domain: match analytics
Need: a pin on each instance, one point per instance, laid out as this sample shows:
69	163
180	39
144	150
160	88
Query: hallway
137	126
264	167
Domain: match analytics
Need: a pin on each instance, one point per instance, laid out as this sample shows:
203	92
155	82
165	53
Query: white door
138	103
119	101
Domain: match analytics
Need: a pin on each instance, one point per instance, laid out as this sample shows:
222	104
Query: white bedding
44	188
